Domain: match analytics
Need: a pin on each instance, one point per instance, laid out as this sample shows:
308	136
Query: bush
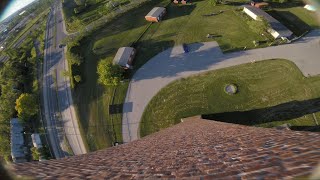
109	74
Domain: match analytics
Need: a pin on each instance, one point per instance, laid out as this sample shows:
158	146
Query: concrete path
173	64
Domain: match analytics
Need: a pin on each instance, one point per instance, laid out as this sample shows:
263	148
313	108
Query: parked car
61	45
185	48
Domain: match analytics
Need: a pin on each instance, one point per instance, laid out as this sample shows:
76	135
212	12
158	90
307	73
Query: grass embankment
182	24
271	93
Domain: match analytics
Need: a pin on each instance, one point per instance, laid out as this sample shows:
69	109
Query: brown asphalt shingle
195	148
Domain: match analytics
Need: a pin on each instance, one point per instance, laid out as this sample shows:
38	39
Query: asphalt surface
60	117
174	64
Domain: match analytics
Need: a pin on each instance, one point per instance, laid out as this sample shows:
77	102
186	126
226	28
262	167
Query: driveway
174	64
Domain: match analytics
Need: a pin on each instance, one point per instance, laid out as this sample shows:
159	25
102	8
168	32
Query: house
17	141
195	148
259	3
277	29
124	57
156	14
36	141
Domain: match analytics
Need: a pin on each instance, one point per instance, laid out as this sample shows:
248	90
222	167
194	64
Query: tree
80	2
259	26
109	74
213	2
27	106
33	53
77	78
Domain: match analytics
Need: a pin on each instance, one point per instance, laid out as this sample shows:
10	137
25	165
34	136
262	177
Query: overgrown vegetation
270	93
18	75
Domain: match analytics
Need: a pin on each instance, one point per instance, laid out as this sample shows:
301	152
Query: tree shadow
175	11
281	112
289	4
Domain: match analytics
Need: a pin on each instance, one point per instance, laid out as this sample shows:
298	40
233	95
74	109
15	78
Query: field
183	24
270	93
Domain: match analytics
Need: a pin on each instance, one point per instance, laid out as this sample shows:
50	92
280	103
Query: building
156	14
124	57
193	149
36	141
17	141
259	3
277	29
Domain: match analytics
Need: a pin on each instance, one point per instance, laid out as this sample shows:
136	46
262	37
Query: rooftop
156	11
275	24
17	141
194	148
123	55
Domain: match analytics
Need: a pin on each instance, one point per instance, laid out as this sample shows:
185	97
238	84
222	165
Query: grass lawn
183	24
270	93
297	19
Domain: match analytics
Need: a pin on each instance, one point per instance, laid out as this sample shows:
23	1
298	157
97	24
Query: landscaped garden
268	94
182	24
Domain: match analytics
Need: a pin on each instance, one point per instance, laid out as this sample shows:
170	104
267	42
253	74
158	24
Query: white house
277	29
36	141
17	141
124	57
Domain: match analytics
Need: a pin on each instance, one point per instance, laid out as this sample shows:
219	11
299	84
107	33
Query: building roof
156	11
123	55
275	24
17	141
193	148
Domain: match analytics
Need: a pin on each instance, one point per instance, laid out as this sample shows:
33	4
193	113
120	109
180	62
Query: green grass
182	24
268	91
297	19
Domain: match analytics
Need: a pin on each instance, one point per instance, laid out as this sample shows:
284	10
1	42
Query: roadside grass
271	93
183	24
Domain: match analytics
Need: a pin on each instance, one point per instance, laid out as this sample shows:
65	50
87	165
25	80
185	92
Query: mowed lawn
270	93
297	19
183	24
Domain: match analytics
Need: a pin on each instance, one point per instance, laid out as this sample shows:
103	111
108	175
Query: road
60	117
174	64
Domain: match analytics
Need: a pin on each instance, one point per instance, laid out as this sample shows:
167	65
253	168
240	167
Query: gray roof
275	24
17	141
123	56
36	141
156	11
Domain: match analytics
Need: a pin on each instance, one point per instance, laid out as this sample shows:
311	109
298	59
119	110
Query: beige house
124	57
156	14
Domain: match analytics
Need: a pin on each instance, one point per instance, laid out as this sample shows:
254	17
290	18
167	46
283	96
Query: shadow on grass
289	4
281	112
306	128
291	21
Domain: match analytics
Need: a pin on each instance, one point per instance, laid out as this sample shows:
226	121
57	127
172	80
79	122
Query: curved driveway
173	64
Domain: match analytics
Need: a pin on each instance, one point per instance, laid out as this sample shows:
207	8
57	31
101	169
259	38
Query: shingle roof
194	148
275	24
17	141
156	11
123	55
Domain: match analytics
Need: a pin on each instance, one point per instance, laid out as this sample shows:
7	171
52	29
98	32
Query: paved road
59	112
173	64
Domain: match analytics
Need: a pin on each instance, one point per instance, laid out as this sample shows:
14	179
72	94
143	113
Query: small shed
124	57
36	141
156	14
